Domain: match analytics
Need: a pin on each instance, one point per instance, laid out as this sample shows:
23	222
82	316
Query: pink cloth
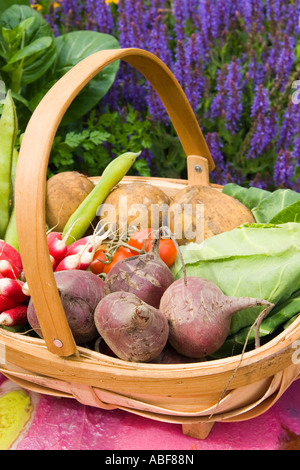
64	424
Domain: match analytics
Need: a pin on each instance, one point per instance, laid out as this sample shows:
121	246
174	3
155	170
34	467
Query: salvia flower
180	12
284	170
264	122
285	62
217	108
215	145
195	81
233	87
289	126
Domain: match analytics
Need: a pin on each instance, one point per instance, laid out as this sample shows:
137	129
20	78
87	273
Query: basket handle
32	172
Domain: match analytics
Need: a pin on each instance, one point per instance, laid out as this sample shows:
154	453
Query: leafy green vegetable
289	214
71	49
277	201
32	60
278	207
250	197
27	46
254	260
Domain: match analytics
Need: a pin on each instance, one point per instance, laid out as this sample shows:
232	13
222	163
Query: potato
64	193
200	212
136	206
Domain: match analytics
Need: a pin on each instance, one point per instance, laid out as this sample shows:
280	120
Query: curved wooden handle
32	173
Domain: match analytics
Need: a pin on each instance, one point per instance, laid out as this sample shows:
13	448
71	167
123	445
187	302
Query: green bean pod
87	210
8	133
11	236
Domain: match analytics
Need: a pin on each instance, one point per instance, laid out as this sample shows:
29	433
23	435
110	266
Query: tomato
167	248
98	263
120	254
138	238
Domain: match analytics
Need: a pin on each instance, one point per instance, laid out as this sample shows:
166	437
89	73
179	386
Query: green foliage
32	60
90	149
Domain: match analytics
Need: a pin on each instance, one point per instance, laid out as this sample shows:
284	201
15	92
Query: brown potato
134	206
199	212
64	193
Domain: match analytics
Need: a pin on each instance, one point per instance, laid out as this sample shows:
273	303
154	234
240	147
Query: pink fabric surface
64	424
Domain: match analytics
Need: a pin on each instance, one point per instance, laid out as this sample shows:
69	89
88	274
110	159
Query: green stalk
8	132
82	218
11	231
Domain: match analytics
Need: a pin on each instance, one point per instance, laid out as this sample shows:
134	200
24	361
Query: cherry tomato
97	265
138	238
167	248
120	254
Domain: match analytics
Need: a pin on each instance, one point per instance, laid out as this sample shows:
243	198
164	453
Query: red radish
7	269
57	246
91	240
80	261
14	316
12	288
82	258
10	254
6	303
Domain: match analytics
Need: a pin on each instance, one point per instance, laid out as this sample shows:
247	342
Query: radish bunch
13	300
77	255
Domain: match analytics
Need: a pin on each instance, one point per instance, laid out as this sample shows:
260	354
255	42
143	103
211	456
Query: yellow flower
56	4
111	1
37	7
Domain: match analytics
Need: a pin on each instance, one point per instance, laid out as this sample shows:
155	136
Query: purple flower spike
265	120
219	101
215	146
233	87
261	102
284	170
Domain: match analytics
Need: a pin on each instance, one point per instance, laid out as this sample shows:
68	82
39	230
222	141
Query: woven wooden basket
188	394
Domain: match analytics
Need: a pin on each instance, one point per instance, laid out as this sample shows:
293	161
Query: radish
6	303
57	247
7	269
133	330
80	292
10	254
199	315
12	288
14	316
76	246
81	260
145	275
82	253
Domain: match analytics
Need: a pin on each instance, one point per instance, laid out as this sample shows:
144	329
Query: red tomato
138	238
120	254
167	248
97	265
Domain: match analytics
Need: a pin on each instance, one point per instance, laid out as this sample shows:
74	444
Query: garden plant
237	61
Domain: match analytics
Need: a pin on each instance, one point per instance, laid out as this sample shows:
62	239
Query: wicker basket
183	393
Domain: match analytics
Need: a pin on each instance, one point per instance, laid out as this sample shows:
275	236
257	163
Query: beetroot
199	315
146	276
133	330
80	292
